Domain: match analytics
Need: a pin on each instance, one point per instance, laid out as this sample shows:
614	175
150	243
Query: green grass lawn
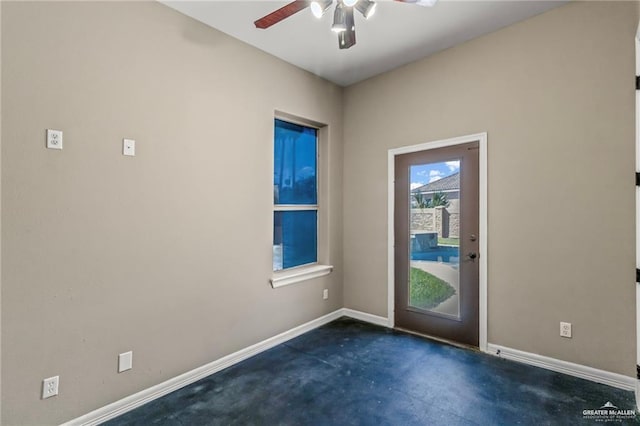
428	291
448	241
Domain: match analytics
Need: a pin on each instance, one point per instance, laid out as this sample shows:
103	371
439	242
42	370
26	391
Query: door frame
482	139
637	222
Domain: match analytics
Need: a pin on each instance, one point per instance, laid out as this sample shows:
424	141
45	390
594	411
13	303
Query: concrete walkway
448	273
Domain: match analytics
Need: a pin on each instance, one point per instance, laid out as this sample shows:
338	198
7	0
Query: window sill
283	278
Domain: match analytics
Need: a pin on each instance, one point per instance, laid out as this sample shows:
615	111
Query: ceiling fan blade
282	13
347	38
427	3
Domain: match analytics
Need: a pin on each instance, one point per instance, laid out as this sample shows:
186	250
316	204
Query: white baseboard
600	376
124	405
363	316
129	403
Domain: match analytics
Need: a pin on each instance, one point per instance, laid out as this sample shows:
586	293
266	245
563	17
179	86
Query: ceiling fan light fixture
367	8
319	7
339	20
347	39
343	20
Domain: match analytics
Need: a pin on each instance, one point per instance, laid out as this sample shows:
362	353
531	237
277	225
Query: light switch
54	139
129	147
125	361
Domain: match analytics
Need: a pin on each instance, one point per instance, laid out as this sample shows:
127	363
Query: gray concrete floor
352	373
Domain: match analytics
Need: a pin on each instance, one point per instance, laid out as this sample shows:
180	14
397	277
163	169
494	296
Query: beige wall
555	94
167	254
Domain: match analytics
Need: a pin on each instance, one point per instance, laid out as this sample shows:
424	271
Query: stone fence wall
439	219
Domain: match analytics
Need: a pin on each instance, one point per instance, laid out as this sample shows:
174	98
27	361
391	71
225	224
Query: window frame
321	266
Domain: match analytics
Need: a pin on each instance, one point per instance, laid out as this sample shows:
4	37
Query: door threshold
439	339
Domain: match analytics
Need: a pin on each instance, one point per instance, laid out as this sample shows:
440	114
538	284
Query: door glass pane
434	225
295	238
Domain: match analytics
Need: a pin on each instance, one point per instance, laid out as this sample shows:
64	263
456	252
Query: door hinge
637	178
638	371
637	275
637	82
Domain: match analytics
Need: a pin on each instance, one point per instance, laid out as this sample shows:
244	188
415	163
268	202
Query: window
295	195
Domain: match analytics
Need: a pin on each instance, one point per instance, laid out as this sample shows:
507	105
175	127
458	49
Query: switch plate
54	139
50	387
565	329
125	361
325	293
129	147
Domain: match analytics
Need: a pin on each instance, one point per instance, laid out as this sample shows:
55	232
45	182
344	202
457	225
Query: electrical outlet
325	293
565	329
50	387
54	139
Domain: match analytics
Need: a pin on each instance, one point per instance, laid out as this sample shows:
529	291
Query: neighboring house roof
449	183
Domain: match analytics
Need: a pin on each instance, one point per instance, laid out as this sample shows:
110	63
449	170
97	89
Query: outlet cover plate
125	361
54	139
129	147
565	329
50	387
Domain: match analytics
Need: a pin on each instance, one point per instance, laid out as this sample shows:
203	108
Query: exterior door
436	242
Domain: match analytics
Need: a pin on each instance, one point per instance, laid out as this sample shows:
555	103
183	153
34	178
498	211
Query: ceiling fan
343	20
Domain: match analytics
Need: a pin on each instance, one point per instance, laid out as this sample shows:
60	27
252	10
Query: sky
426	173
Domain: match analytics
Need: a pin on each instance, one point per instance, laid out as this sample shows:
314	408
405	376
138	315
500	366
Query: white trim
481	138
366	317
294	207
391	243
129	403
577	370
296	275
483	242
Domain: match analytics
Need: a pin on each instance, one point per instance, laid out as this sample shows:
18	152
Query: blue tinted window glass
295	238
294	174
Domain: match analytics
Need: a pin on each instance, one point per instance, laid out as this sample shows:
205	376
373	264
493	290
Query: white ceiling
397	34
